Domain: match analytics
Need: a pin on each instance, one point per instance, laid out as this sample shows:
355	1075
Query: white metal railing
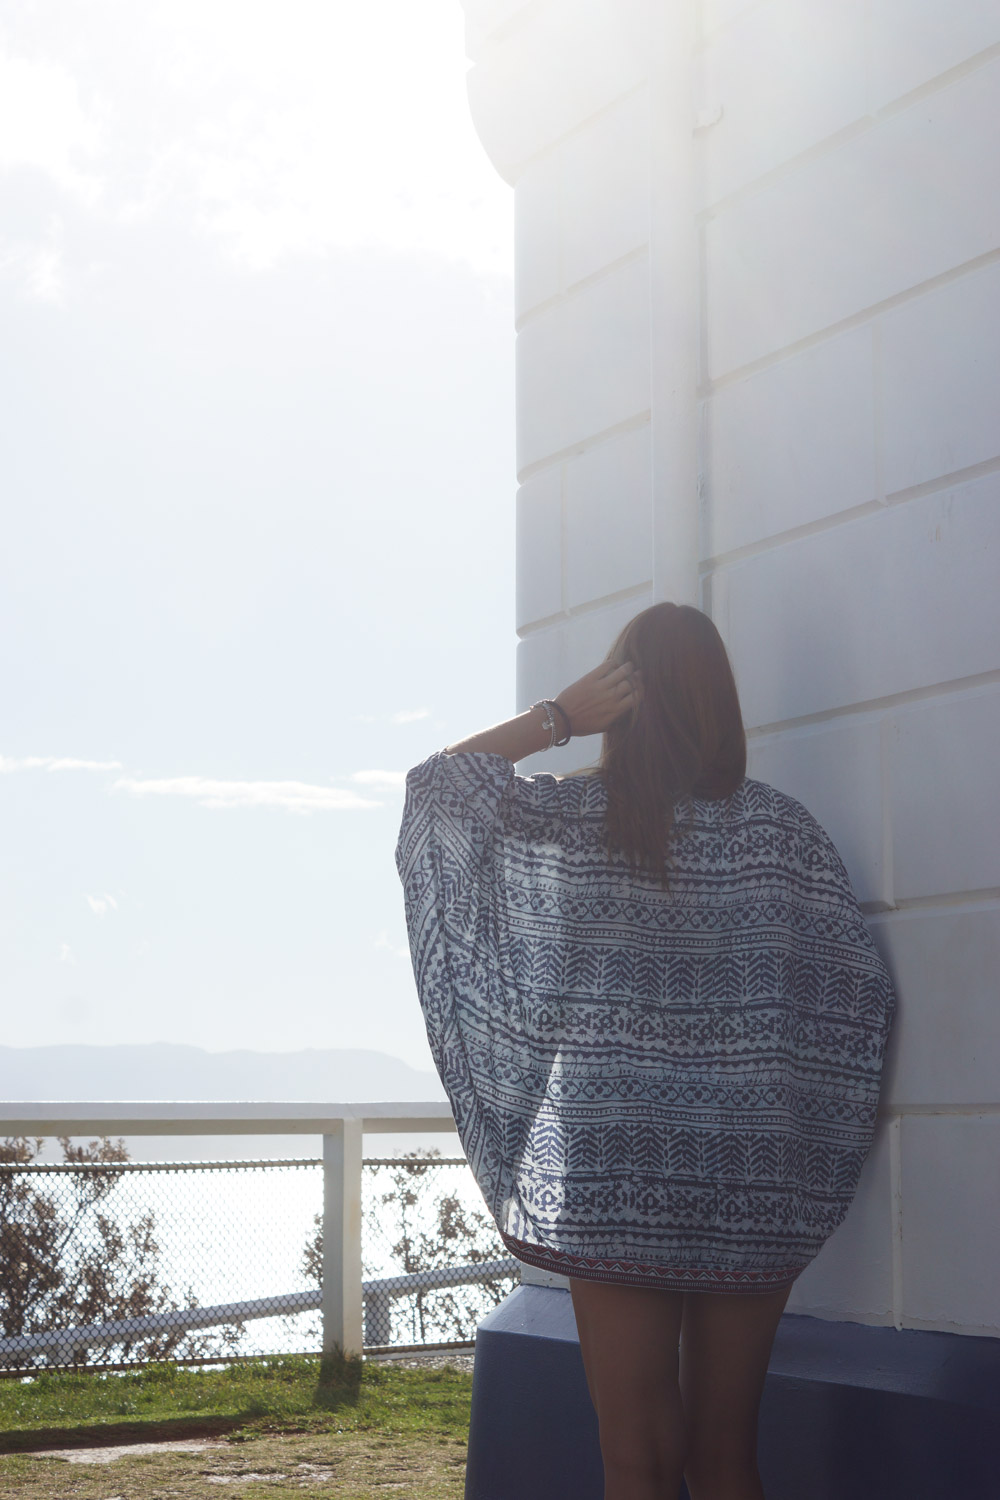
342	1127
378	1294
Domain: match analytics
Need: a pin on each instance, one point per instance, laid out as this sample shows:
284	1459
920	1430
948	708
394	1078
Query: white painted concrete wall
758	297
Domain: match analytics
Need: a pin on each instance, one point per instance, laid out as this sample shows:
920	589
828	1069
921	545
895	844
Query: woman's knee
648	1444
723	1439
725	1445
655	1468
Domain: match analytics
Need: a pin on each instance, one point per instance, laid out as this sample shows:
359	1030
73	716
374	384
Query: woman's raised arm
589	705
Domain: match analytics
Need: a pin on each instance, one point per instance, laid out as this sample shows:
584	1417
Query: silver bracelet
551	708
548	720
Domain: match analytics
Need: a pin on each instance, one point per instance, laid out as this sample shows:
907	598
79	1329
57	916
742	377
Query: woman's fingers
601	696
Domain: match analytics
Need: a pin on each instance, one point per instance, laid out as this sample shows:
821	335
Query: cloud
38	265
8	764
410	715
292	796
45	280
44	126
259	110
101	905
66	954
232	118
387	779
383	940
401	716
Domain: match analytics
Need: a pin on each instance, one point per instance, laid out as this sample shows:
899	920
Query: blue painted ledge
849	1412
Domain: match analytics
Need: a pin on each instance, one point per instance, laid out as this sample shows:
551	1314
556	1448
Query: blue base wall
849	1412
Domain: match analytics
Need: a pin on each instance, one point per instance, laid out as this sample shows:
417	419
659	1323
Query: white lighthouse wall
842	200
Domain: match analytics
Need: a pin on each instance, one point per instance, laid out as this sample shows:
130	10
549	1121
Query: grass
283	1426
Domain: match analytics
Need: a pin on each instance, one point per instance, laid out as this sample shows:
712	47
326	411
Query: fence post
342	1293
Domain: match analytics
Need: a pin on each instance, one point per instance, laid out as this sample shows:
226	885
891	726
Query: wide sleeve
459	811
841	933
451	809
447	861
464	816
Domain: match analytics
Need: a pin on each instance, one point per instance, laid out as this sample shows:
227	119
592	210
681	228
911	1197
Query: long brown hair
684	738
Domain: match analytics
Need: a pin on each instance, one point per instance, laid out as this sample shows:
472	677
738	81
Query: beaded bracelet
551	707
565	718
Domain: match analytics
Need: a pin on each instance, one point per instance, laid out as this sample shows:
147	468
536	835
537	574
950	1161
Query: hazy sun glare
275	129
256	484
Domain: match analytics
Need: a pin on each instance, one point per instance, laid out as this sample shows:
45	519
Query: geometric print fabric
660	1088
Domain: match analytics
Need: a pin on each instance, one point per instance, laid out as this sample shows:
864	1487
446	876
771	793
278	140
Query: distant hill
167	1071
163	1070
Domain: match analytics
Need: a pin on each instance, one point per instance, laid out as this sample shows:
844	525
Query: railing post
342	1294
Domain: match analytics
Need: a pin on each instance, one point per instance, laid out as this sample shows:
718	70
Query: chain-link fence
107	1262
433	1261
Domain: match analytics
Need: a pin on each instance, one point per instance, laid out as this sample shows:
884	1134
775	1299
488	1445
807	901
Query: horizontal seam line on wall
522	165
515	23
707	39
897	1111
589	607
566	295
940	485
952	687
854	129
931	86
857	127
720	560
949	481
845	325
585	445
985	896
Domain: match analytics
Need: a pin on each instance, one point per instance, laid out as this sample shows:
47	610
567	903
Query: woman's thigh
629	1340
726	1343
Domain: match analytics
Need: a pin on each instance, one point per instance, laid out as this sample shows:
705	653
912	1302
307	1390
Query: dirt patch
131	1450
351	1466
117	1434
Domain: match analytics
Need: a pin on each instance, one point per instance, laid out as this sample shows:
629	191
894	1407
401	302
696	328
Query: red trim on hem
658	1278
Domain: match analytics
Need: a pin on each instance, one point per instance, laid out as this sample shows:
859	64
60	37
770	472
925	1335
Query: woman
660	1020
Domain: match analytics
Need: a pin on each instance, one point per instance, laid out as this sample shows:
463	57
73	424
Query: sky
256	493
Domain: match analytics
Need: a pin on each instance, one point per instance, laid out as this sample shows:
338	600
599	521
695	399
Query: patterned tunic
670	1089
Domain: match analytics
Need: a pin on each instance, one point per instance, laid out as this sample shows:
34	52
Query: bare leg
628	1339
725	1346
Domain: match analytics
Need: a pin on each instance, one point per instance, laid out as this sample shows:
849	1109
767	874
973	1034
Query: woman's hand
592	703
602	696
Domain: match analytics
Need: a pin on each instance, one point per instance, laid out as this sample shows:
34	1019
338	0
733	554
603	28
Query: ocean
225	1234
